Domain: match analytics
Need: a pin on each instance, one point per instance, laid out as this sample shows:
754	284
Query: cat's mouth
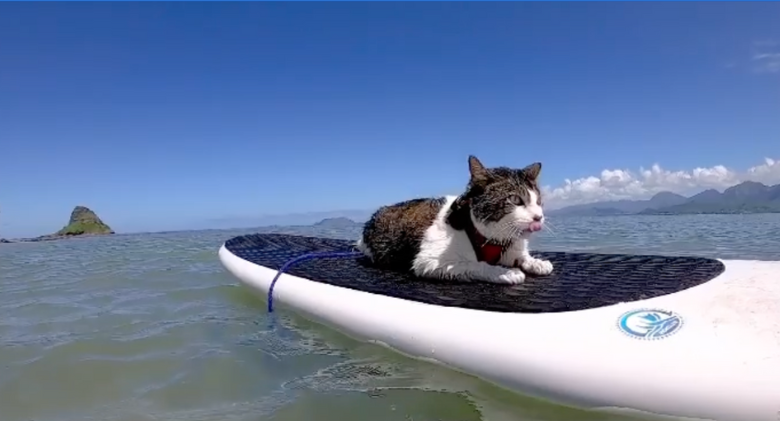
533	227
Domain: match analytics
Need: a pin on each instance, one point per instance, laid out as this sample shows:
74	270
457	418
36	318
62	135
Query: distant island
336	223
743	198
83	222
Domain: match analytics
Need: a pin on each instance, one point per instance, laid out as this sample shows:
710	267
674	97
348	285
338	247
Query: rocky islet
83	222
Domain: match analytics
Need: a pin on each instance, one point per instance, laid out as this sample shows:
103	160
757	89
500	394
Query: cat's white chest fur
448	253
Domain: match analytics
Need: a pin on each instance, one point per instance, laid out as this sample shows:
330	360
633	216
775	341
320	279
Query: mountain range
292	219
746	197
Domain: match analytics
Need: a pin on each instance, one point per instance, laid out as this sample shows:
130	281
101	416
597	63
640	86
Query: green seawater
150	327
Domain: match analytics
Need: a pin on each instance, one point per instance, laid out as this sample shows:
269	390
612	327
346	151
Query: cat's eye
515	200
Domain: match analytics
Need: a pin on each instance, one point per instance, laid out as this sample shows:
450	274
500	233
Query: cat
480	235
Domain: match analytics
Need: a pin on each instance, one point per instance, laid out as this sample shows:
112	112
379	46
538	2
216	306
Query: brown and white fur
432	237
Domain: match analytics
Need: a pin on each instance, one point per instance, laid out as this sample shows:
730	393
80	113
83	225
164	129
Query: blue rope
308	256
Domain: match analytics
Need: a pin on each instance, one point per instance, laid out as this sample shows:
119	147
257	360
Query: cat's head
504	203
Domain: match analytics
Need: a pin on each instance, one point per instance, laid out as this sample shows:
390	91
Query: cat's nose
538	218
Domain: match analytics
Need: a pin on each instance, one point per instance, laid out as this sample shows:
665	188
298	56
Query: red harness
486	252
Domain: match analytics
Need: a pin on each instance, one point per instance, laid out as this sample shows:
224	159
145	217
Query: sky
166	116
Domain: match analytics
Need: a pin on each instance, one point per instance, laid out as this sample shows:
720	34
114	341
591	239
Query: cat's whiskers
511	228
550	228
499	231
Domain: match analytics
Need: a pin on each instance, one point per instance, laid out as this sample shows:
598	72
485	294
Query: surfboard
661	336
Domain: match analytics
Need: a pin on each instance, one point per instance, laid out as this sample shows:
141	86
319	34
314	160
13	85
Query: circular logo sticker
650	324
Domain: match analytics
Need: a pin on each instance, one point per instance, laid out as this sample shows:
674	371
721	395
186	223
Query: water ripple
150	327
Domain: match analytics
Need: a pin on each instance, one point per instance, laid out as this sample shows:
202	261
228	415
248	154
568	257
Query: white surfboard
709	352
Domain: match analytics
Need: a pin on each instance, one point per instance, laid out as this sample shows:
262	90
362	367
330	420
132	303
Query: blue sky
189	115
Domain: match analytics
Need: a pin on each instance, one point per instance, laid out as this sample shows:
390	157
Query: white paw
537	267
512	277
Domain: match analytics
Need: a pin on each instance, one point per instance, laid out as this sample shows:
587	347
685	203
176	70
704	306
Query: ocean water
150	327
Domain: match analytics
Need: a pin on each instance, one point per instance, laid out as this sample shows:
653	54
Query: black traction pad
579	281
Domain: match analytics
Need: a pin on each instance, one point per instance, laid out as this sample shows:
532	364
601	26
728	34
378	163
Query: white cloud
766	57
618	184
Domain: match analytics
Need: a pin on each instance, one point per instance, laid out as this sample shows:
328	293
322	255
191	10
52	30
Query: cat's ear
532	171
478	171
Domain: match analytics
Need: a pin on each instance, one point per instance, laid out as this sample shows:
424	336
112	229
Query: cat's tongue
535	226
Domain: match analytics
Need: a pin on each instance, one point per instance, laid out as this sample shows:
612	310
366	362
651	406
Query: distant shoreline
338	224
46	238
606	215
705	213
748	197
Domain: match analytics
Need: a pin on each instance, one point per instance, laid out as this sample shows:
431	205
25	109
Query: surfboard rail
711	351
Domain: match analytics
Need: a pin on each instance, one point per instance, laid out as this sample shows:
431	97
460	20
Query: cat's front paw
512	277
537	267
